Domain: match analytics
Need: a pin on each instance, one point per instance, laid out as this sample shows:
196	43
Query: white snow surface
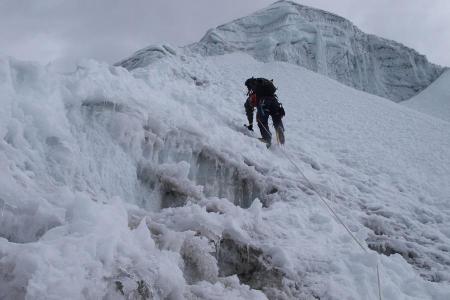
325	43
145	184
146	56
435	99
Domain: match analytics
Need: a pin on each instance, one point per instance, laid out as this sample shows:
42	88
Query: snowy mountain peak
325	43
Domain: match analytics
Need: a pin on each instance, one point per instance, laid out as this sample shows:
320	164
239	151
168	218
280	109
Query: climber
261	95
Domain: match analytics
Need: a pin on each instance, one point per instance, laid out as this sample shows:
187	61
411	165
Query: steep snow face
435	99
327	44
145	185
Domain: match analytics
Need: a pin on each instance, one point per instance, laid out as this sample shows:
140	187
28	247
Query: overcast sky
63	31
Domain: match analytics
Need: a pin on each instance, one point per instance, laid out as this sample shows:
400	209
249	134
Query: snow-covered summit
325	43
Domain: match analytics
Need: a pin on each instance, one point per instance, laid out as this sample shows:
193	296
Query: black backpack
261	86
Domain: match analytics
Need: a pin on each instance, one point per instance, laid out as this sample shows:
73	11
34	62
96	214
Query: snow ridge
325	43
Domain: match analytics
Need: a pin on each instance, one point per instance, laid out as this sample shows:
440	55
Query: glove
249	127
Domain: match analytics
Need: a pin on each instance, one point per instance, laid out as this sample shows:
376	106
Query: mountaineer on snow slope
261	95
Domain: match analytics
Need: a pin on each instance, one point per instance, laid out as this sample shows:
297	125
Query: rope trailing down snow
333	213
378	277
330	210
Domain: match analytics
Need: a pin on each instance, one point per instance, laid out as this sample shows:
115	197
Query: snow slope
146	56
327	44
435	99
145	184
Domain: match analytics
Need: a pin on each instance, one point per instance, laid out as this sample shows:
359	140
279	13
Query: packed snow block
325	43
168	188
183	169
223	179
208	176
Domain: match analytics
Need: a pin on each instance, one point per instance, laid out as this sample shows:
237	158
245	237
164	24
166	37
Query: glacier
144	184
325	43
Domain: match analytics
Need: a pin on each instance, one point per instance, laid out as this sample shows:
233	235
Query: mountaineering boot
268	143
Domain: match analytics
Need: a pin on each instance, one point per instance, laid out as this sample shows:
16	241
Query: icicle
218	248
2	202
